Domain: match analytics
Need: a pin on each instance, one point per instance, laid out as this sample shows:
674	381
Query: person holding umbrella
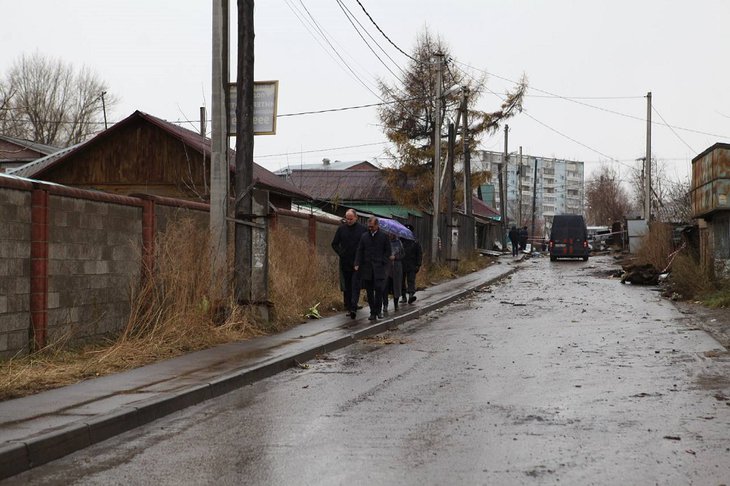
394	273
372	256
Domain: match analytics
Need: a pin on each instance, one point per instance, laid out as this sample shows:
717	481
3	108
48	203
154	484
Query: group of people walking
381	263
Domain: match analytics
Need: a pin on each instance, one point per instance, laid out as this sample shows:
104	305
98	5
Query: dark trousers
374	291
351	292
514	248
409	282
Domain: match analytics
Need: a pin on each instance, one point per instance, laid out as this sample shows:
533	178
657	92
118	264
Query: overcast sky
589	65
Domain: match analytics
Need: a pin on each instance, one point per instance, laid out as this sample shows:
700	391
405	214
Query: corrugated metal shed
711	180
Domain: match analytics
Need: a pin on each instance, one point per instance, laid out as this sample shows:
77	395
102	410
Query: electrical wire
345	108
386	37
321	150
350	18
337	53
576	100
672	129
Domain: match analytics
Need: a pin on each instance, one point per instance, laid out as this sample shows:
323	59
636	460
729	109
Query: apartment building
558	188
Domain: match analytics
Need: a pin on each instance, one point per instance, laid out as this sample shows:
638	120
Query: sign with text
265	97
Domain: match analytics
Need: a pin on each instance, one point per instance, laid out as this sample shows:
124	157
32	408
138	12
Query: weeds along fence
69	258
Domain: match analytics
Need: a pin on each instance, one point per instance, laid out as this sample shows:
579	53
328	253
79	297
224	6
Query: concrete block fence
69	257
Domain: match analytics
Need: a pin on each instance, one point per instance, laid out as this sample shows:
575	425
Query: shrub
688	278
656	246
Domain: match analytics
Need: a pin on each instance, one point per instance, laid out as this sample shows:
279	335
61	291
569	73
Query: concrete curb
17	456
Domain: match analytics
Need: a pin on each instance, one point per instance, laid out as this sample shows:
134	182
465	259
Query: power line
672	129
386	37
576	100
562	134
321	150
345	108
337	53
350	18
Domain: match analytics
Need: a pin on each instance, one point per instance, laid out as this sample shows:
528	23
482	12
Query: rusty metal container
711	181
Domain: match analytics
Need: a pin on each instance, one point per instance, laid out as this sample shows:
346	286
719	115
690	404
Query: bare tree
607	200
670	200
48	101
409	118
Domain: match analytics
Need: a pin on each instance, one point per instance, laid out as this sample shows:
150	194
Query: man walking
514	238
345	244
373	254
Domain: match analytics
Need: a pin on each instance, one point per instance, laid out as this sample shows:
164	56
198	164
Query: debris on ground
644	274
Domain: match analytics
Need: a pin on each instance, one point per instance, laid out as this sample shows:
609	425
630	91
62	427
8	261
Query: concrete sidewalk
40	428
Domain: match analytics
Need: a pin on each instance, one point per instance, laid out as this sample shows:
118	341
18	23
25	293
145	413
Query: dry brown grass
170	313
656	246
441	272
688	279
300	279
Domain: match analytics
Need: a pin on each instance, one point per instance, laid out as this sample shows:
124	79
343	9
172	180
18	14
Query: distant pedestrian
394	273
514	238
523	238
345	244
371	258
412	256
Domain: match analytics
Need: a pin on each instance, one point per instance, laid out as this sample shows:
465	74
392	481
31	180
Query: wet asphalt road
559	375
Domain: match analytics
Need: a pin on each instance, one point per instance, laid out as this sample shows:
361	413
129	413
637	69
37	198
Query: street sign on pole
265	97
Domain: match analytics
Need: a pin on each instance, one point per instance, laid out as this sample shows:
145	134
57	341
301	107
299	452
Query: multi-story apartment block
558	188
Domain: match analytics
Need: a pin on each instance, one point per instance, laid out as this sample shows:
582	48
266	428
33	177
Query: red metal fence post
39	268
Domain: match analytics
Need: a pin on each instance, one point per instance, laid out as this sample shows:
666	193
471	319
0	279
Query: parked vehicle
598	237
569	237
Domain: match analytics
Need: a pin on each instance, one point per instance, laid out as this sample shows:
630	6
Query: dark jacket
345	244
413	254
514	235
373	254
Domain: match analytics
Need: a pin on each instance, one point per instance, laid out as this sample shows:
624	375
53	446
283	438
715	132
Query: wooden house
16	152
143	154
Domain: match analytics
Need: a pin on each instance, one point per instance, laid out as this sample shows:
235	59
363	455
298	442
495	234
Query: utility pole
452	232
103	108
437	161
503	188
467	155
219	170
647	162
520	170
203	122
534	200
243	183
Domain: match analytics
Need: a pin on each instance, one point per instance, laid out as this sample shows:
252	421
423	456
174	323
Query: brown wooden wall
141	158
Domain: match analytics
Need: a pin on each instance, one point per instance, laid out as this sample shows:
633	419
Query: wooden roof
263	178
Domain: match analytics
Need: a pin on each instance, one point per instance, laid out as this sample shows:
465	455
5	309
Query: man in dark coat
514	238
523	238
413	255
373	254
345	244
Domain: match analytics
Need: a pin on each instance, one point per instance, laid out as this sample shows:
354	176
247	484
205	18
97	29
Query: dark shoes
372	317
403	300
411	299
380	316
395	305
352	314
